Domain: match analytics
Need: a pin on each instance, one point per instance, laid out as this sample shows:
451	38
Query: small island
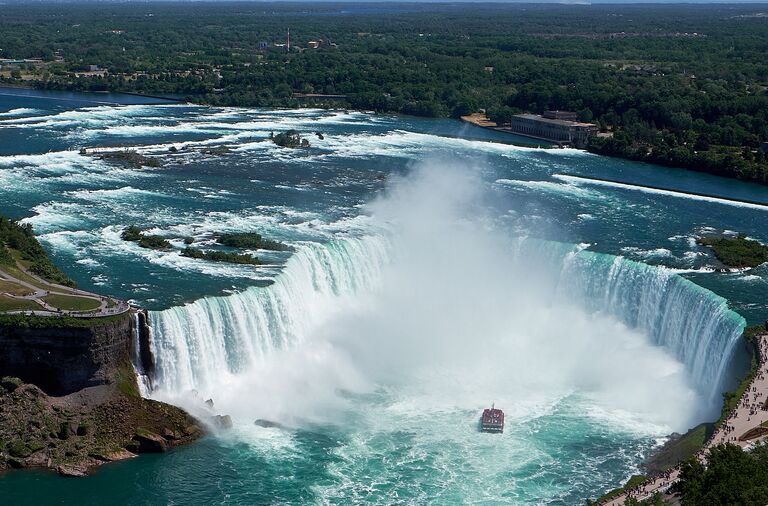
236	240
289	139
220	256
126	156
738	252
137	235
251	240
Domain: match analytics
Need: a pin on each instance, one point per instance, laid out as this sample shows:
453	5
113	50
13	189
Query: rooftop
561	122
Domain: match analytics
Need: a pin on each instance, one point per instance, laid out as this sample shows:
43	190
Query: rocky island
737	252
69	397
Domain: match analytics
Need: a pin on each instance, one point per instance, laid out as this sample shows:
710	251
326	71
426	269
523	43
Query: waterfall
215	336
142	378
694	324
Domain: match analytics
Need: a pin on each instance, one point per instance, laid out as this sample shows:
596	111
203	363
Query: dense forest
681	85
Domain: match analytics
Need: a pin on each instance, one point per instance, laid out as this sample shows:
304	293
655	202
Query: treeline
681	85
20	238
732	476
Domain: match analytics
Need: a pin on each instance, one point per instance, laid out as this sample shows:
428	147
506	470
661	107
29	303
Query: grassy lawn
13	288
19	274
10	304
632	483
71	303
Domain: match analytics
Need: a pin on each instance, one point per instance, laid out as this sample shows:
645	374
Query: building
563	115
559	127
314	44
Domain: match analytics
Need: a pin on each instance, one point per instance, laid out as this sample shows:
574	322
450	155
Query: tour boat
492	420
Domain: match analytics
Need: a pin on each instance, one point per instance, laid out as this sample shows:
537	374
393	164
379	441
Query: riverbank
482	121
88	97
744	425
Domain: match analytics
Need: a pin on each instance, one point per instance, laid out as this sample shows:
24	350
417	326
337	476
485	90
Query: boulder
149	442
170	435
268	424
222	421
72	470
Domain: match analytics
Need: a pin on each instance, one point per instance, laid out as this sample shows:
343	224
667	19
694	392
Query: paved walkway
38	294
750	413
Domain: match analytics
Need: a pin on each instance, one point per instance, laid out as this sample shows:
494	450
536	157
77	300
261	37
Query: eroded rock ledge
86	411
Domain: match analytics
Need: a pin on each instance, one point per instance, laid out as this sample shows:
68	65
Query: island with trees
233	240
738	252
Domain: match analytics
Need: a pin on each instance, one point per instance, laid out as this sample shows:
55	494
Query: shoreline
482	121
20	86
744	425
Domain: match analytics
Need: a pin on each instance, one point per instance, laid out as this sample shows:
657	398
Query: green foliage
738	251
126	382
6	258
680	85
135	234
680	448
220	256
10	383
21	238
630	484
251	240
154	242
732	476
41	322
290	139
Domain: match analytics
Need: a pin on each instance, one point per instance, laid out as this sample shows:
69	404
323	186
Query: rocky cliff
62	359
69	400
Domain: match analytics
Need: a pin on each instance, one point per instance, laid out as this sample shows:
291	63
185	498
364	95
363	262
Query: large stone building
559	127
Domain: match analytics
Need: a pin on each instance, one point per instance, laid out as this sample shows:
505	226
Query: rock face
77	403
62	360
146	359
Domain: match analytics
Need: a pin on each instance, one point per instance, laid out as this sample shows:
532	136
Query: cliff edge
69	400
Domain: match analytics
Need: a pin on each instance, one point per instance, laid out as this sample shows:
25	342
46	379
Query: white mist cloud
459	321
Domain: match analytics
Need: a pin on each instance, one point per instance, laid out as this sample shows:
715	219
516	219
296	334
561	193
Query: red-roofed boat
492	420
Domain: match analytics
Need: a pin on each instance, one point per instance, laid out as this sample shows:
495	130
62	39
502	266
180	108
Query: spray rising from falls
439	290
196	344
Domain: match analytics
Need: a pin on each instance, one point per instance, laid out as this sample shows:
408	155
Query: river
439	267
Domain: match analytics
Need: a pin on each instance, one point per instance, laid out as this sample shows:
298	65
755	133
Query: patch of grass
126	382
754	432
13	288
630	484
38	322
72	303
681	448
11	304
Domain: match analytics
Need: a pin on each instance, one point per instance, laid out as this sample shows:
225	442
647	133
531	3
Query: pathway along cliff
745	426
69	400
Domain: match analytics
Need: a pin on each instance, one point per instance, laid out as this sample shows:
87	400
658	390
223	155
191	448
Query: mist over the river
457	320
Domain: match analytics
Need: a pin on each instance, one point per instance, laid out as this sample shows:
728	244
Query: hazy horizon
405	2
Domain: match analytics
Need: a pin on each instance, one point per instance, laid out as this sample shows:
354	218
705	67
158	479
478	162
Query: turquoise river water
438	268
